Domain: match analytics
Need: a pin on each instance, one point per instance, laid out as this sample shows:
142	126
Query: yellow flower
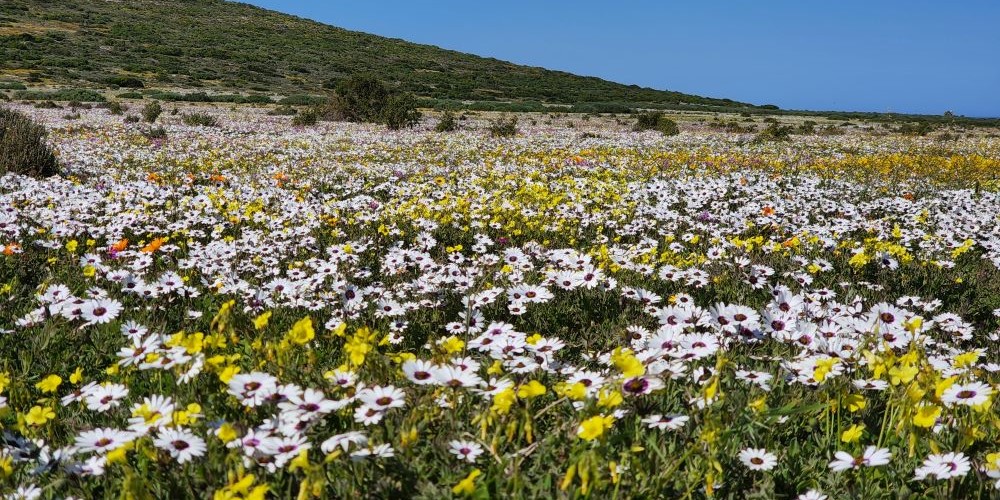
855	402
594	427
452	345
38	415
533	339
853	433
926	416
77	376
4	381
467	486
902	374
227	433
228	372
823	368
71	246
576	391
503	400
530	390
49	384
261	321
609	399
302	331
625	361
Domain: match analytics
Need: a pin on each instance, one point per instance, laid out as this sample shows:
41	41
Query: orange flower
11	249
122	244
218	178
153	245
768	210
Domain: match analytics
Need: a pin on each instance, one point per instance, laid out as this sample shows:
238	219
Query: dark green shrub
283	111
23	149
4	96
654	120
129	82
306	118
200	119
47	105
773	133
81	95
131	119
447	122
503	127
131	95
151	112
155	133
400	111
362	98
303	100
116	108
12	86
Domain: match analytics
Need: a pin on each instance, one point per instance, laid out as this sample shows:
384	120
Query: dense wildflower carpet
263	311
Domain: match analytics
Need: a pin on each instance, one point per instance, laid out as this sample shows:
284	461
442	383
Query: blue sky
913	56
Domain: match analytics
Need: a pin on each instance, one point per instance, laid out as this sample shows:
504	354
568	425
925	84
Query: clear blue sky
918	56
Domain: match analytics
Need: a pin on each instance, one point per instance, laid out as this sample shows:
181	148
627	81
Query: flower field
258	310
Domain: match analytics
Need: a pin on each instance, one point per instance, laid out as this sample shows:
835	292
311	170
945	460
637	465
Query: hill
227	46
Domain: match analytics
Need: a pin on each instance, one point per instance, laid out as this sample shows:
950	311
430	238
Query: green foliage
283	111
191	43
306	118
82	95
131	119
655	120
774	133
362	98
129	82
12	86
23	148
155	133
303	100
115	107
131	95
503	127
200	119
400	111
151	112
447	123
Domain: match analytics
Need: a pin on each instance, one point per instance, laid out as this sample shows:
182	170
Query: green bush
447	122
151	112
774	133
303	100
82	95
116	108
131	119
502	127
654	120
12	86
200	119
400	111
131	95
23	149
283	111
155	133
362	98
306	118
129	82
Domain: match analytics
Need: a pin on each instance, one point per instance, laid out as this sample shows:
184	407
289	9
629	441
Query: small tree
400	111
654	120
23	149
361	98
151	112
306	118
503	127
447	122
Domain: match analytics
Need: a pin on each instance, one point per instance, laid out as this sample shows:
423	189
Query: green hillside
227	46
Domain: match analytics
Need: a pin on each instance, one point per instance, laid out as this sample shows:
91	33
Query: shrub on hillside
774	133
129	82
23	149
200	119
361	98
306	118
654	120
502	127
400	111
283	111
447	122
151	112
